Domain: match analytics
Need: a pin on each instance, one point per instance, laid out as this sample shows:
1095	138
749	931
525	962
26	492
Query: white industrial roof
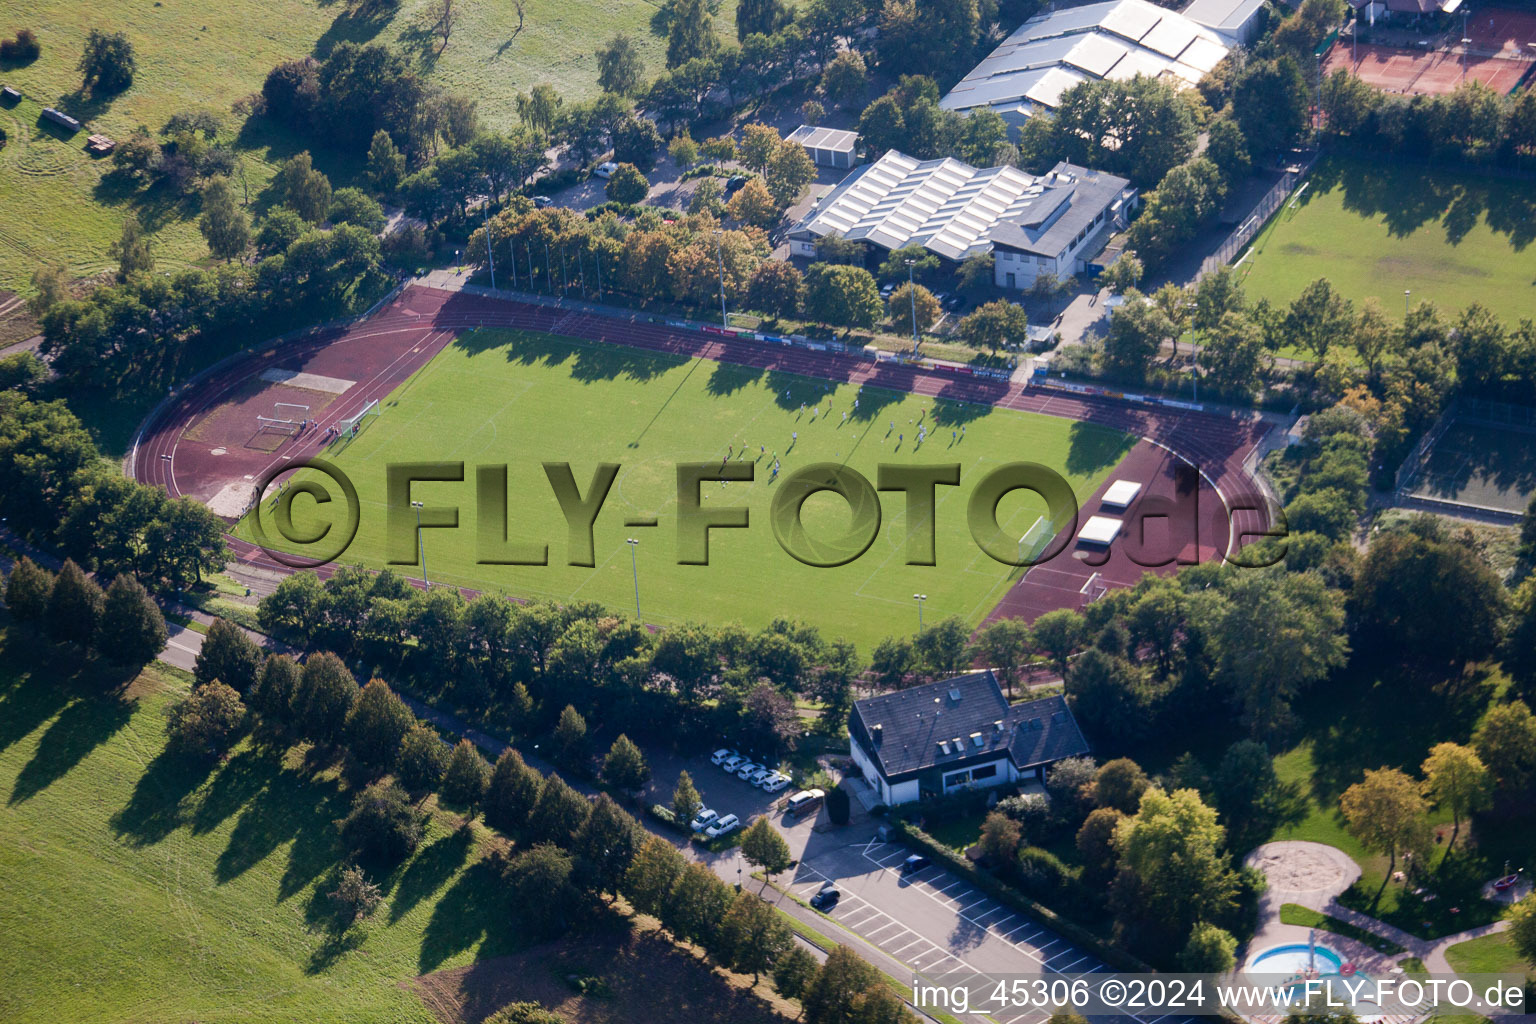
954	210
1226	17
1099	530
812	137
1121	493
1114	39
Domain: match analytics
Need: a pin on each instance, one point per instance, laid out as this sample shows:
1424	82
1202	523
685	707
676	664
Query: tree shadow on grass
472	912
728	378
156	808
79	729
429	871
358	23
28	698
1092	448
236	785
293	808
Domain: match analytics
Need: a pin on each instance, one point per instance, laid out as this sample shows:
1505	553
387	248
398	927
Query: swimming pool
1297	958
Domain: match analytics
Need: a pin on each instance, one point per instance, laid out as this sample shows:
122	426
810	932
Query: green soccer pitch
1372	229
523	398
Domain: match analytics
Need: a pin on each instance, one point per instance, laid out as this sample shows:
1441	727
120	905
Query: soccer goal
277	425
352	424
1093	589
1035	540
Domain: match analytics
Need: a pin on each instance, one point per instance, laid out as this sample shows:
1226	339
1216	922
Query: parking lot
946	931
720	791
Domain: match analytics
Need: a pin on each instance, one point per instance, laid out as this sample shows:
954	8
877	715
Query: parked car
733	762
605	169
746	771
543	202
804	801
703	819
914	863
722	755
886	289
729	823
758	777
954	302
734	183
775	782
826	898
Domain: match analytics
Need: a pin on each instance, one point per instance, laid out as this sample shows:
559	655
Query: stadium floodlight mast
421	545
549	275
912	294
725	318
919	598
634	568
490	246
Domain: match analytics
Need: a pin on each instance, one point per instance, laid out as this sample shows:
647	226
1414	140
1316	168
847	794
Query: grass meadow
523	398
149	887
55	205
1374	229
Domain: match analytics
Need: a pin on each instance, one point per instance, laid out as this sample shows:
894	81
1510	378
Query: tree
354	206
1386	813
754	204
753	935
624	767
303	188
840	988
324	698
651	874
605	845
1120	784
386	164
132	630
207	721
50	286
763	847
909	300
279	681
108	63
444	15
776	288
376	727
692	33
465	777
1173	865
23	372
994	325
1233	354
423	758
229	655
627	185
559	813
758	144
1506	741
763	17
512	793
571	736
1136	332
1456	778
74	606
540	889
280	228
636	140
1004	646
223	224
1227	148
619	67
539	108
788	172
686	802
132	250
1270	100
1522	929
683	151
27	590
1210	950
382	825
355	896
841	295
845	78
1058	635
1123	274
524	1013
1000	839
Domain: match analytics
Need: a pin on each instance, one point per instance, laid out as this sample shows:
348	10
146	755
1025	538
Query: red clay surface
1417	73
1178	517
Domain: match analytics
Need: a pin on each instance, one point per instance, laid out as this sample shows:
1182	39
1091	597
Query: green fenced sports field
523	398
1374	230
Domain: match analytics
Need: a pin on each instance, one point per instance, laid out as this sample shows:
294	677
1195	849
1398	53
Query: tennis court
1417	73
1480	465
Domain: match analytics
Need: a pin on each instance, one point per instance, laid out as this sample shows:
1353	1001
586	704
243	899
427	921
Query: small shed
827	147
61	119
10	95
99	145
1099	531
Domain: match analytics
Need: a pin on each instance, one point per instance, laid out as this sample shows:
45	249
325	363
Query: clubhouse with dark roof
957	734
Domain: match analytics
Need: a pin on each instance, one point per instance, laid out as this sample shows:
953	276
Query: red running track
1181	515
